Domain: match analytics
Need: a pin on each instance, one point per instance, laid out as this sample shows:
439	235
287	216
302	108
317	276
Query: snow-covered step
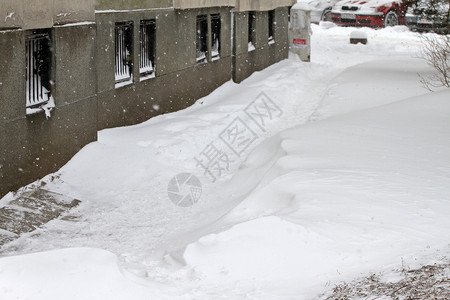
19	221
6	236
31	210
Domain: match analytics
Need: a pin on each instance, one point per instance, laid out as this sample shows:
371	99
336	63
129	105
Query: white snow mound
353	194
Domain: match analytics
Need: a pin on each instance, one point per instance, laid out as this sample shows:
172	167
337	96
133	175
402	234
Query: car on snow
370	13
320	9
437	22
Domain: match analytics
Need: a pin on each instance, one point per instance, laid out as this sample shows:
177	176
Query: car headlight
370	10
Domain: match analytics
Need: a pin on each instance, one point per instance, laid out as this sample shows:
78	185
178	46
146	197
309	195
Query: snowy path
321	202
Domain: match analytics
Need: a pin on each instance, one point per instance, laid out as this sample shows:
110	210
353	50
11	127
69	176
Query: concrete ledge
261	5
240	5
101	5
44	13
185	4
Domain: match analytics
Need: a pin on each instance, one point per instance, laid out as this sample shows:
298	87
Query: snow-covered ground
345	172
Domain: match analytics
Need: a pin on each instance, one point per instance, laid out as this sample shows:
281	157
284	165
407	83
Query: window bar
39	81
122	48
31	78
215	36
251	30
120	53
271	19
29	83
146	63
142	41
122	69
123	56
117	50
143	45
201	40
36	65
34	69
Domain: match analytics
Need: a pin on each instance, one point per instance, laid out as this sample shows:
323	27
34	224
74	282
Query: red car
370	13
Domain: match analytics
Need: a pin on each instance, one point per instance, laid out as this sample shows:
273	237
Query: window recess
123	52
147	51
201	40
38	69
271	19
215	36
251	30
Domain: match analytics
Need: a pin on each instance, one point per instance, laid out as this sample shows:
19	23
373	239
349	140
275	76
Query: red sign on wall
299	43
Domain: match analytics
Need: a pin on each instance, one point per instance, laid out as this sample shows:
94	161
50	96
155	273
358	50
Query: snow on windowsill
201	59
124	83
107	11
251	47
45	107
147	76
75	24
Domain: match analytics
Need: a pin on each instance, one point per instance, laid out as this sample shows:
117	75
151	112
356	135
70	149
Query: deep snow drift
349	175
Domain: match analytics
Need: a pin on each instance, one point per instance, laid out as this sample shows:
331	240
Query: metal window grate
201	42
123	51
215	36
271	25
251	30
38	59
147	43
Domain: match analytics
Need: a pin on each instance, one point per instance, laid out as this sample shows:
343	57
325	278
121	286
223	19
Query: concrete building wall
11	14
280	50
179	80
69	11
246	62
32	146
12	79
101	5
44	13
37	14
185	4
261	5
240	5
84	89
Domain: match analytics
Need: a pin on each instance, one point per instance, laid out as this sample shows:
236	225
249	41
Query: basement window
271	19
123	53
201	41
147	45
251	30
38	67
215	36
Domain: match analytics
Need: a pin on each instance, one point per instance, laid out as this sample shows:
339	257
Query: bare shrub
436	52
427	282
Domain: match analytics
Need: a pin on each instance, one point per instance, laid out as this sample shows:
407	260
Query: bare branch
436	52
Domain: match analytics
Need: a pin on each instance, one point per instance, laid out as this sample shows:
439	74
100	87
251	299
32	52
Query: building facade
71	69
47	51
